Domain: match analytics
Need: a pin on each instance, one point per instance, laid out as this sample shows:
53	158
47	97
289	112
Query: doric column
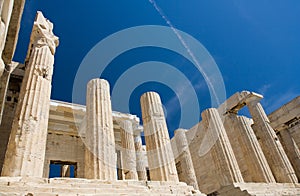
159	151
100	158
249	155
140	162
128	150
291	149
227	169
185	158
271	146
26	148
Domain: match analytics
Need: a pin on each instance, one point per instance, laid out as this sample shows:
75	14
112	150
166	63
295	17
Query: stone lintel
237	101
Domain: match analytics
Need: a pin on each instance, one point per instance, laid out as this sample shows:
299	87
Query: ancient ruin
224	154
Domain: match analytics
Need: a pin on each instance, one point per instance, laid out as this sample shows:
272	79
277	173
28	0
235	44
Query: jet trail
183	42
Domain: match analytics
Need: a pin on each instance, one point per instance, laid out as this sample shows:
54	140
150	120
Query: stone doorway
64	169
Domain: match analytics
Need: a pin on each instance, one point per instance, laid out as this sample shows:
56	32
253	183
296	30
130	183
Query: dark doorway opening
63	169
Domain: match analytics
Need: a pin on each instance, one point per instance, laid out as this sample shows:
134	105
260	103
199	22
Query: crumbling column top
42	34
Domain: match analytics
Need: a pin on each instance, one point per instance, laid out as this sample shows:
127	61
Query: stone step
260	189
76	186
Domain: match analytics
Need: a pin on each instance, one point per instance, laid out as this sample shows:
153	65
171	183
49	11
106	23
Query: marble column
185	158
159	151
140	162
6	9
271	146
249	155
226	164
128	150
100	157
291	149
27	144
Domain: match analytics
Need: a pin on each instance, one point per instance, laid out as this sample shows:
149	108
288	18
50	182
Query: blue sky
255	45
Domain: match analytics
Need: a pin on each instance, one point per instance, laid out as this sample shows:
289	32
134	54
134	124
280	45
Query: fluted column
159	151
227	169
291	149
140	162
100	158
249	155
128	150
271	146
27	144
185	158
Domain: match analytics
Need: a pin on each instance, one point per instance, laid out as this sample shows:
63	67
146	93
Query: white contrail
190	52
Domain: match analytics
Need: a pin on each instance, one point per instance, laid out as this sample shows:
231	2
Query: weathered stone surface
100	159
71	186
271	146
27	143
140	162
6	9
217	153
251	160
226	168
184	163
286	116
209	155
291	149
286	123
128	150
259	189
159	152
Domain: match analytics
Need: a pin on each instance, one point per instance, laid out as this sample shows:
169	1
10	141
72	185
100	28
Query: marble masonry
97	151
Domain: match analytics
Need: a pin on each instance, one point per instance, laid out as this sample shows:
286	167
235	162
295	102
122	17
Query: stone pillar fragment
271	146
140	162
249	155
291	150
128	150
100	157
159	151
185	158
226	164
65	171
26	148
